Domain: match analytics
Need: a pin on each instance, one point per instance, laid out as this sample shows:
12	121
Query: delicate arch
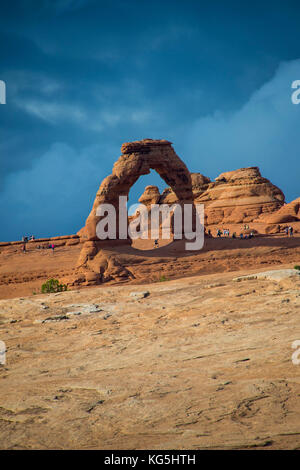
137	159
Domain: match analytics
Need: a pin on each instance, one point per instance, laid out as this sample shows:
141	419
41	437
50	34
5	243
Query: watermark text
2	92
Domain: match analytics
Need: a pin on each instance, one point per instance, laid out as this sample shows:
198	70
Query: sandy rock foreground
196	363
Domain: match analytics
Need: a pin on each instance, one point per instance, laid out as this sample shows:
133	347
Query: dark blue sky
84	76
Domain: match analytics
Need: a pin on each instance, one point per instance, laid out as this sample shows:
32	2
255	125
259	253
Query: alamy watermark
296	94
2	353
296	354
2	92
186	219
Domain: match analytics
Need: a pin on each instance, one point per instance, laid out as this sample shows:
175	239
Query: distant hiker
286	230
156	243
24	248
241	236
52	246
219	233
234	235
291	231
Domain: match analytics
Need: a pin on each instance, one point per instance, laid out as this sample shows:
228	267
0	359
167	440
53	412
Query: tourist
156	243
291	231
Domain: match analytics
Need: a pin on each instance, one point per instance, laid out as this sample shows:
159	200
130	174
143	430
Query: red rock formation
234	197
137	159
151	195
287	213
240	196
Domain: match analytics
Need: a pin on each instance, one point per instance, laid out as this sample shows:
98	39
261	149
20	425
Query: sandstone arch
137	159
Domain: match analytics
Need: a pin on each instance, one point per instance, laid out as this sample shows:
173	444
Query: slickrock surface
196	363
274	275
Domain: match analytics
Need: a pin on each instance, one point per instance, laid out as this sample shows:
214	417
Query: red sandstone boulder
151	195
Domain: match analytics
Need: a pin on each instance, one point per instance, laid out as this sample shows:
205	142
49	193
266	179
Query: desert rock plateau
201	362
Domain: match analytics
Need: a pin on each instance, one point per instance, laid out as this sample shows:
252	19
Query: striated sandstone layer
287	213
237	196
240	196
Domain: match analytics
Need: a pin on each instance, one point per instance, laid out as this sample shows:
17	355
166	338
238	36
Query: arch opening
148	190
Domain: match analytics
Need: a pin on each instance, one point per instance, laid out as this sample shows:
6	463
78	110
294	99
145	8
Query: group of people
26	239
289	231
50	247
226	233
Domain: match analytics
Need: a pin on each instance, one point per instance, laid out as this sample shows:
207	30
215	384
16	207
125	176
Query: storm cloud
84	76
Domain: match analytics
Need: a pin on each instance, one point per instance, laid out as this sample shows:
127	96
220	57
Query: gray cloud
55	195
263	132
